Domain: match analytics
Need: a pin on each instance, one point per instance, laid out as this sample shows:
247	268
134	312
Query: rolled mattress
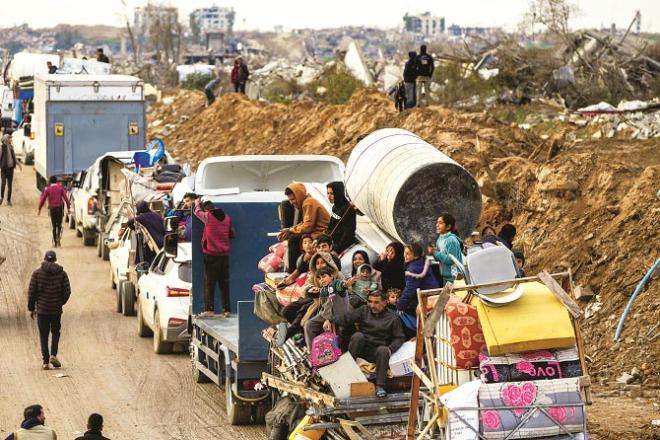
404	183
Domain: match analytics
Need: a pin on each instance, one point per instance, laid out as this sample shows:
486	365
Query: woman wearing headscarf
392	268
342	219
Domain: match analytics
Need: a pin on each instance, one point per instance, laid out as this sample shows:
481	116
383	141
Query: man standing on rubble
379	334
424	69
409	78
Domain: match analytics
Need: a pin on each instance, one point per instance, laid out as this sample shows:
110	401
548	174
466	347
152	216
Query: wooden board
561	294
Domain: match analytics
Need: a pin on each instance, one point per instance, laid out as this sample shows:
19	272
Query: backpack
325	350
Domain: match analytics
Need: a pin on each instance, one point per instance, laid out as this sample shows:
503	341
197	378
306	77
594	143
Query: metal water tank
403	184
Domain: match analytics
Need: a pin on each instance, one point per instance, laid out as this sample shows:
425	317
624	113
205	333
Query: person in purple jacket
216	246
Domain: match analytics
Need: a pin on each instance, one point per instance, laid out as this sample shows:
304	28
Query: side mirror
171	224
171	244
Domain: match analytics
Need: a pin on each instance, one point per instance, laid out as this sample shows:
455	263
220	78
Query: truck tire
29	158
237	412
259	413
161	346
143	329
113	282
72	221
78	232
128	299
119	295
89	238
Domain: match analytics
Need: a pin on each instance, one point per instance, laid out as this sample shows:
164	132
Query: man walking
379	334
33	426
94	428
8	163
239	75
424	69
56	196
49	291
218	231
409	78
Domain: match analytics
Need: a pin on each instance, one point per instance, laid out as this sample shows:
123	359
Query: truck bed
224	330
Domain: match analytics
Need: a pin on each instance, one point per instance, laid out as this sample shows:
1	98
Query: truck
78	118
231	351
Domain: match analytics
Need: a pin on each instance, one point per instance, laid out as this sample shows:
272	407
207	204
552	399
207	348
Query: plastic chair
141	160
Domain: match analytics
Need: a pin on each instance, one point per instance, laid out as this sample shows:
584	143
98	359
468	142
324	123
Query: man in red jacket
218	230
56	195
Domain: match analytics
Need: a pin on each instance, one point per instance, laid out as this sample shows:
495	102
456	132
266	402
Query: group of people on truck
374	311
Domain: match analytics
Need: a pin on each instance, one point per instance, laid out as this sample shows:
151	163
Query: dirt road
110	370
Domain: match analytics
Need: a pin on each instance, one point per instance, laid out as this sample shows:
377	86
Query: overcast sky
265	14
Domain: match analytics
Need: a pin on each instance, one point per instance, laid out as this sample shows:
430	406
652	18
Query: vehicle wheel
113	281
29	159
99	245
160	345
143	330
119	295
78	233
200	377
72	221
259	414
237	412
89	238
128	299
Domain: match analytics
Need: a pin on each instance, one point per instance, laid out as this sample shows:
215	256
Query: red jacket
217	231
56	195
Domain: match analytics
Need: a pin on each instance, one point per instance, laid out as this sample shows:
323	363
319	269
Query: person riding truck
315	221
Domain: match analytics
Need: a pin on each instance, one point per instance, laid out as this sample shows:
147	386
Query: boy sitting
333	308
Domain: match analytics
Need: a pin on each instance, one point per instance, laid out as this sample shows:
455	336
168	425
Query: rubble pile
591	205
580	68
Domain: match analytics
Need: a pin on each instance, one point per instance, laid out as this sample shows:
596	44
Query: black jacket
49	289
5	152
92	435
342	219
392	273
410	71
379	329
424	64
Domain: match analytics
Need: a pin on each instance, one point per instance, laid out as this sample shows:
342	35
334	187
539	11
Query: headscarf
393	272
339	192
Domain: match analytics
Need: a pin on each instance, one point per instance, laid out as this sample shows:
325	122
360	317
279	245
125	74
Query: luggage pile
506	357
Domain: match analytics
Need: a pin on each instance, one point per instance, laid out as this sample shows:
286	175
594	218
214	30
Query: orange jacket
315	216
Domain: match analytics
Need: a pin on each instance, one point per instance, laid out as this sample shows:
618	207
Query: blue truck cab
231	351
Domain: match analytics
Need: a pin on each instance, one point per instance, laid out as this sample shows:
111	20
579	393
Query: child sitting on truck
333	307
366	280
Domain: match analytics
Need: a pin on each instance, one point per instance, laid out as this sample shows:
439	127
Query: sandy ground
109	369
112	371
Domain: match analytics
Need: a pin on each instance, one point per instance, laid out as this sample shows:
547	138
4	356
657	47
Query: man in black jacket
8	163
424	67
409	78
379	335
94	428
49	291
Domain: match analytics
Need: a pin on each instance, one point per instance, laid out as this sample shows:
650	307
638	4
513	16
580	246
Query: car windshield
185	272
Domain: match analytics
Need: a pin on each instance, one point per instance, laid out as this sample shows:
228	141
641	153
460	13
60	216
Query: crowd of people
375	309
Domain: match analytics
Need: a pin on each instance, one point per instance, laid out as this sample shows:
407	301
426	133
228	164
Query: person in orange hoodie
315	219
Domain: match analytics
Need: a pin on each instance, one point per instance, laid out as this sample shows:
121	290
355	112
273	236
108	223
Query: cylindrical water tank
404	183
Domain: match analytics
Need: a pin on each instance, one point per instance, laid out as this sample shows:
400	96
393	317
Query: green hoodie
446	245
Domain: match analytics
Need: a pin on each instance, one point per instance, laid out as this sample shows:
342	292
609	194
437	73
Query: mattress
530	365
536	321
560	399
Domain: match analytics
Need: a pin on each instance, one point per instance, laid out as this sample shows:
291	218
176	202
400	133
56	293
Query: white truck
78	118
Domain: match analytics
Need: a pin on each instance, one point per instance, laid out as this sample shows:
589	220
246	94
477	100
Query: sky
292	14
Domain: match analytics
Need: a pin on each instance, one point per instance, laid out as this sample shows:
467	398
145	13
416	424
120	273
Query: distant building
146	17
424	24
210	26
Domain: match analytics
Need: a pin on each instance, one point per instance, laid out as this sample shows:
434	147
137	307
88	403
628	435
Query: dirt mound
589	205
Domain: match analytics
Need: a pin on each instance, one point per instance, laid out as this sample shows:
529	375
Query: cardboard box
399	361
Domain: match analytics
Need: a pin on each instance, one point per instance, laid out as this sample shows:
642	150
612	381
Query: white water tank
403	184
